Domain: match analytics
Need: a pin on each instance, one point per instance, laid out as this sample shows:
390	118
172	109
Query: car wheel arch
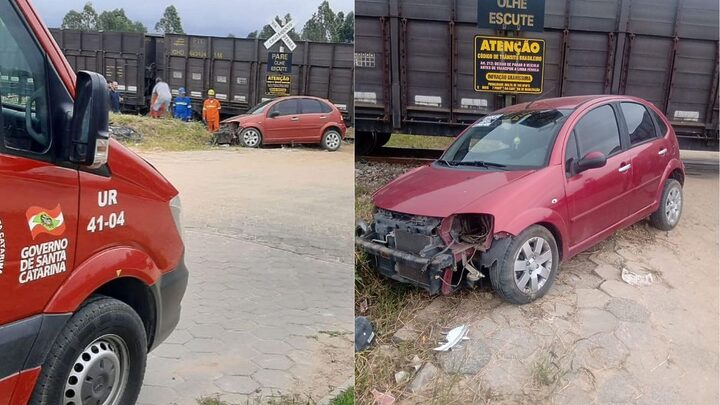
674	170
331	127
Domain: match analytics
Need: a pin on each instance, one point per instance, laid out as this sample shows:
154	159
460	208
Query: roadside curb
337	391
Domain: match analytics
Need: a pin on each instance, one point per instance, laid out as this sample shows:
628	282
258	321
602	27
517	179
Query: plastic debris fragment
454	337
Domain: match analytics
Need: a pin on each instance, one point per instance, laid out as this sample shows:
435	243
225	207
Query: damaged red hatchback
524	188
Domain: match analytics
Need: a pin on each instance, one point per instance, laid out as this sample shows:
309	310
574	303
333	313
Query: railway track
404	156
695	160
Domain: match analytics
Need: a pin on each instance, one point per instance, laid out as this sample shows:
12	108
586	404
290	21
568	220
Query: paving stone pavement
251	324
594	339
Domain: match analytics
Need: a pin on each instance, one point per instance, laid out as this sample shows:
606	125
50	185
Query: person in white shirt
160	100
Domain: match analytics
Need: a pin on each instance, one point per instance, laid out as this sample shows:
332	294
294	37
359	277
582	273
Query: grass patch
211	401
419	141
164	134
545	372
345	398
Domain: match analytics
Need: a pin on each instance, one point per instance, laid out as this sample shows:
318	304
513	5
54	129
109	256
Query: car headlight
176	209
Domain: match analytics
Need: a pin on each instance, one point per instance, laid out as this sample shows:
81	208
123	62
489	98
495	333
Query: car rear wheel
528	268
250	138
331	140
668	213
98	358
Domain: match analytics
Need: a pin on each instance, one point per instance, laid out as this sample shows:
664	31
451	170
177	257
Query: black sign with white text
512	15
279	62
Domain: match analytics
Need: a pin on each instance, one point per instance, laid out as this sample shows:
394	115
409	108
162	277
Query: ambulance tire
105	338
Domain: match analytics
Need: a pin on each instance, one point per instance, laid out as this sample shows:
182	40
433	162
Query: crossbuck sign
281	33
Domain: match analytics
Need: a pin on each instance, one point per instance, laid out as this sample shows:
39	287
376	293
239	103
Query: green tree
170	22
85	20
116	20
346	30
267	31
326	26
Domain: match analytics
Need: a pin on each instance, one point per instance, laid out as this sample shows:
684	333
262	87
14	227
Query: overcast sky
201	17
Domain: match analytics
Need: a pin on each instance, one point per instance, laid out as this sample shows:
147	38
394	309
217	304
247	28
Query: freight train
414	62
235	67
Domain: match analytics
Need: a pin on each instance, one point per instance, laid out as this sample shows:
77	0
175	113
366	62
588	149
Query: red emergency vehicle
91	251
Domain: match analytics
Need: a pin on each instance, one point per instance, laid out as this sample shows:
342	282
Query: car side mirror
592	160
274	114
89	135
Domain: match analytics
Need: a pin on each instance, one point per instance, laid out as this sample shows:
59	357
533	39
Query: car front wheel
668	213
250	138
331	140
528	268
98	358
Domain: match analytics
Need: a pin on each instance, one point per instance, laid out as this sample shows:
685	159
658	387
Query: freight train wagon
236	68
414	62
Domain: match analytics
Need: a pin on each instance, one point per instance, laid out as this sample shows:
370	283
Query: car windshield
517	140
258	109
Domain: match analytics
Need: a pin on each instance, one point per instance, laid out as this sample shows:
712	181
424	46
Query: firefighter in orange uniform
211	111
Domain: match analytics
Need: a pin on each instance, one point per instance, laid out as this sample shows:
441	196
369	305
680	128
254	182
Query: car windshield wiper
479	163
446	162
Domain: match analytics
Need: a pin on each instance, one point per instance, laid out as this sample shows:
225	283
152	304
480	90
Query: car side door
650	155
38	188
282	121
596	197
313	119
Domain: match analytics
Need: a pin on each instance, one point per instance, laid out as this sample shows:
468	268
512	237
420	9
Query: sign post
510	65
278	82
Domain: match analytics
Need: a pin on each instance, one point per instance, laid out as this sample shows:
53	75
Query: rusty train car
235	67
414	62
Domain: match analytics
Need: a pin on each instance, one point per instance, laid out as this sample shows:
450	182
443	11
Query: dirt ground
593	339
267	316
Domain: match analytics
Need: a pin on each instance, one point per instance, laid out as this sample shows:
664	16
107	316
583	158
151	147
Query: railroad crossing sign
281	33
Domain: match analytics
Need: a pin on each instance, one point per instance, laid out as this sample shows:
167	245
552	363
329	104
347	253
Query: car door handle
663	152
624	169
294	119
322	117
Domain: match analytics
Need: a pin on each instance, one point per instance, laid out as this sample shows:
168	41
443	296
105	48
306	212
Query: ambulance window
23	96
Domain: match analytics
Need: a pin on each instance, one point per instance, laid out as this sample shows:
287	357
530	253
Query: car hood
439	192
238	118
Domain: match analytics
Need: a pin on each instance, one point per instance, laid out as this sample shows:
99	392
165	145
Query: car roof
570	102
297	97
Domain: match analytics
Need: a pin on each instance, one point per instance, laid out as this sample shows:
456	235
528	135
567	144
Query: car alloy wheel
99	375
533	265
673	206
251	138
332	140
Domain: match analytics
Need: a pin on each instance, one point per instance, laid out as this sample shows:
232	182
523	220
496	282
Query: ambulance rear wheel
250	138
98	358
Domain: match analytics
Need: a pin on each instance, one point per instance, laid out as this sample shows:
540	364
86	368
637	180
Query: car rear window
598	131
639	123
326	108
662	128
310	106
